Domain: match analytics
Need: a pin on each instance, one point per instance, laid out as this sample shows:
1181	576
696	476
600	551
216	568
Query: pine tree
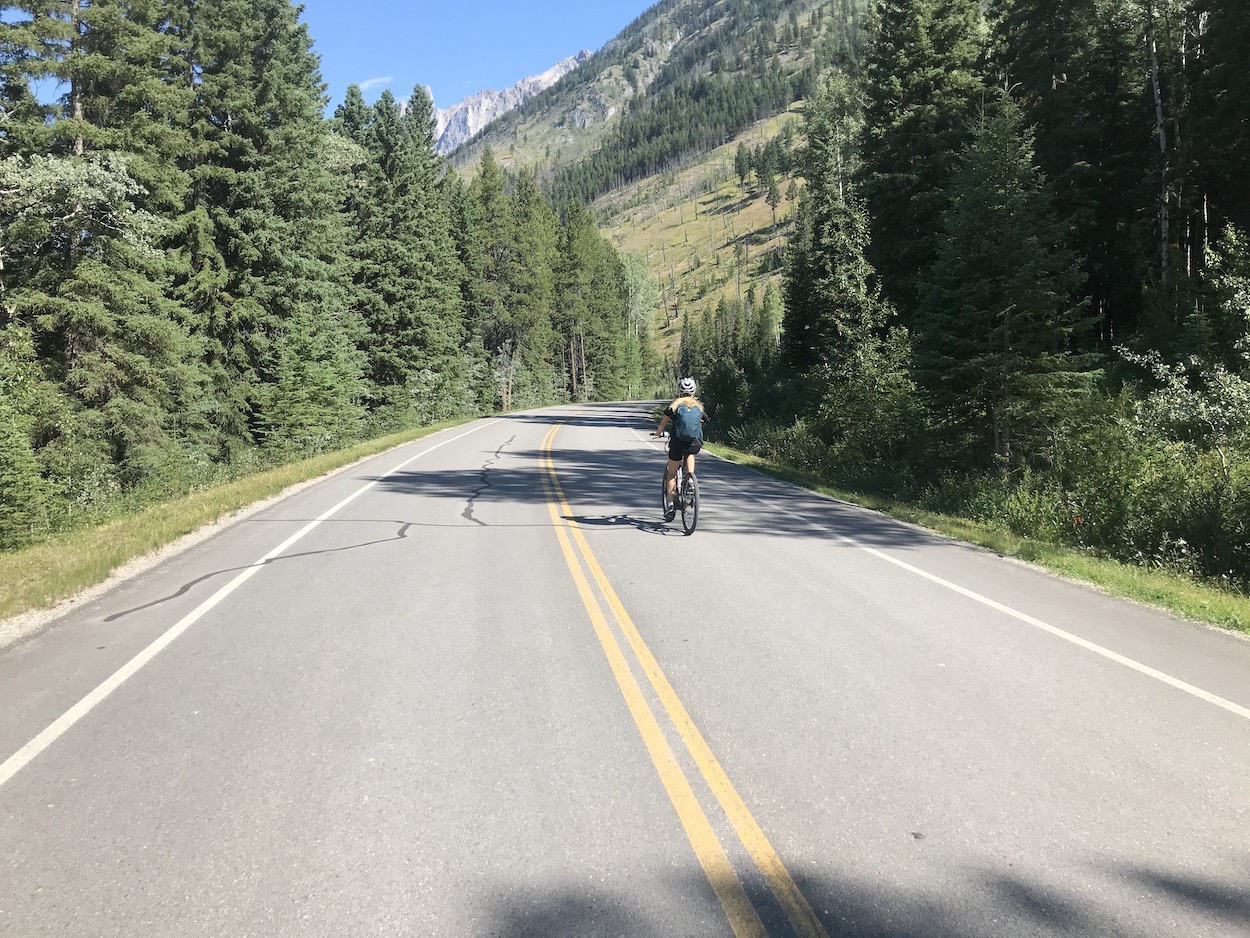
773	199
1221	107
922	85
444	335
742	163
466	230
260	234
1076	67
532	344
689	358
579	249
642	299
404	266
999	308
613	356
22	490
500	257
86	272
832	302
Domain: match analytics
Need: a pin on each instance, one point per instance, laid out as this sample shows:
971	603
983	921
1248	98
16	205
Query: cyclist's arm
664	419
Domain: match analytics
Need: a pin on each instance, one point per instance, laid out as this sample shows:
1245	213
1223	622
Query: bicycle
687	490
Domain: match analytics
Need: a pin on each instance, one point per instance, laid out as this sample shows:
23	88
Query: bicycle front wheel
689	503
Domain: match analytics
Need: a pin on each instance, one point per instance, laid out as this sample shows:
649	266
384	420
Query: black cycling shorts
679	449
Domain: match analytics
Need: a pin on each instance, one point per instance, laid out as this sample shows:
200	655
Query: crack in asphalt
467	514
400	535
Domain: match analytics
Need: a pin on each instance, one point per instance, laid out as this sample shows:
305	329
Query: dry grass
687	225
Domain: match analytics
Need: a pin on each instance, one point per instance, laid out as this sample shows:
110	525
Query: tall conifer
922	85
86	273
1000	306
260	234
1076	69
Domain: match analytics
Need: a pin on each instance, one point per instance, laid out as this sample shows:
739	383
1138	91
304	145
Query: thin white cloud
371	83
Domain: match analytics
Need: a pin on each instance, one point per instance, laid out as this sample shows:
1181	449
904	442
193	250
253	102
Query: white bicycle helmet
686	385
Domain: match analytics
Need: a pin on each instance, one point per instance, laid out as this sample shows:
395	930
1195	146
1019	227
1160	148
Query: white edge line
1230	706
20	759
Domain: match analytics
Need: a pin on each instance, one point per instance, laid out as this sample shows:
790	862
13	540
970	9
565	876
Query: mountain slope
706	236
462	121
682	79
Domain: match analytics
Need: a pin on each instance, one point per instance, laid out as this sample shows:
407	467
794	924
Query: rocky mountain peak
462	121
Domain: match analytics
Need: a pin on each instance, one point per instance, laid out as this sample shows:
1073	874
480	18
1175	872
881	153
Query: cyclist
686	439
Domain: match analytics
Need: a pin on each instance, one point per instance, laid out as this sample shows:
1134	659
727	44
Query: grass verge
1175	593
41	576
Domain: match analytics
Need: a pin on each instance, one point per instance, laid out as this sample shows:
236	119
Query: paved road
491	694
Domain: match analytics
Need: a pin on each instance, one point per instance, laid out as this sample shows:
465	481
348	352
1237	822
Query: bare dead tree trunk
75	87
584	370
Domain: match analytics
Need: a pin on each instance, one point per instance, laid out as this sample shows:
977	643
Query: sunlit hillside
704	235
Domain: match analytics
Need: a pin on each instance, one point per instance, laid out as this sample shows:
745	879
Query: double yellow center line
743	917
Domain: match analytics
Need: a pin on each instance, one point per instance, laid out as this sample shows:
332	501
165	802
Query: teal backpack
688	423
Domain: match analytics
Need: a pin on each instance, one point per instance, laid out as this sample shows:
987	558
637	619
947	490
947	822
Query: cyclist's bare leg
670	477
690	464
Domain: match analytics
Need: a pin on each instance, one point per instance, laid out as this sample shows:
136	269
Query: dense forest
202	273
1019	288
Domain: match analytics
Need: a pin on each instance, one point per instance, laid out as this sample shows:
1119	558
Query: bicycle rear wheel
689	502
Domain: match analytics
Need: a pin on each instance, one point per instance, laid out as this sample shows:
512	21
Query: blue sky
457	47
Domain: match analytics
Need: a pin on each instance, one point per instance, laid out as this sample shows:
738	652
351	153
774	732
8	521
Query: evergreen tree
405	271
689	358
1000	308
444	333
642	299
579	255
500	258
742	163
85	272
1076	67
832	302
773	198
22	489
298	238
768	330
1221	106
923	83
613	357
465	219
532	342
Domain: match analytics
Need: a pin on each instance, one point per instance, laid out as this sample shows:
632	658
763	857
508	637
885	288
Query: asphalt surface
493	694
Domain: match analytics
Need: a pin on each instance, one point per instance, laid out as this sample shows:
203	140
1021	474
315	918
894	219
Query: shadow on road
992	904
615	489
624	483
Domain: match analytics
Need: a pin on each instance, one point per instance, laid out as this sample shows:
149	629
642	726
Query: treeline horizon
203	275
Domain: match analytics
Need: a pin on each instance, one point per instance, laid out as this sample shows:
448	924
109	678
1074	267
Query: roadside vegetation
1056	355
1167	589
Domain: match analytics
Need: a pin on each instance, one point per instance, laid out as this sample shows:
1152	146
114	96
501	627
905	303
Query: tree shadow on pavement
625	482
1141	903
